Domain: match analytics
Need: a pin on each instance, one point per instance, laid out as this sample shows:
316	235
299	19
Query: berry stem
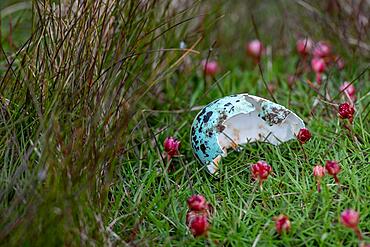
304	153
170	165
260	183
358	233
318	186
348	128
336	179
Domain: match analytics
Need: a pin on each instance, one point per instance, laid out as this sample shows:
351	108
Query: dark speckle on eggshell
207	116
203	148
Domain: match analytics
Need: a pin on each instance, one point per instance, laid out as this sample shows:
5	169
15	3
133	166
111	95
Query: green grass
94	93
242	211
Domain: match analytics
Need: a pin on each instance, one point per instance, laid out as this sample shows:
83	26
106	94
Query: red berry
210	67
260	171
198	225
332	167
304	46
171	146
350	218
319	171
255	49
197	203
282	223
346	111
322	49
318	65
303	135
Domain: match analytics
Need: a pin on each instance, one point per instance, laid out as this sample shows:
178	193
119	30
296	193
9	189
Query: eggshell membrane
238	120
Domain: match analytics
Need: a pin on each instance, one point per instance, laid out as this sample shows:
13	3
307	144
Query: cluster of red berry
198	215
331	167
321	56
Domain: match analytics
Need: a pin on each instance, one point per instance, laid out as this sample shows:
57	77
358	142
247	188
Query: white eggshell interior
246	128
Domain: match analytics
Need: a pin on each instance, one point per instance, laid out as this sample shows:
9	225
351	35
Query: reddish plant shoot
197	203
198	225
171	146
350	218
282	223
304	46
210	67
346	111
304	135
260	171
255	49
333	169
319	173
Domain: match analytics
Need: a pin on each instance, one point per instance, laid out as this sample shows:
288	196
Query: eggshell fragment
236	120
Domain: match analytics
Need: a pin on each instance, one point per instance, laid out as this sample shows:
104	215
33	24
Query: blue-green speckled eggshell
207	125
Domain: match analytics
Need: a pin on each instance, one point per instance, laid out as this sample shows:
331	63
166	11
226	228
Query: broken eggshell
236	120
